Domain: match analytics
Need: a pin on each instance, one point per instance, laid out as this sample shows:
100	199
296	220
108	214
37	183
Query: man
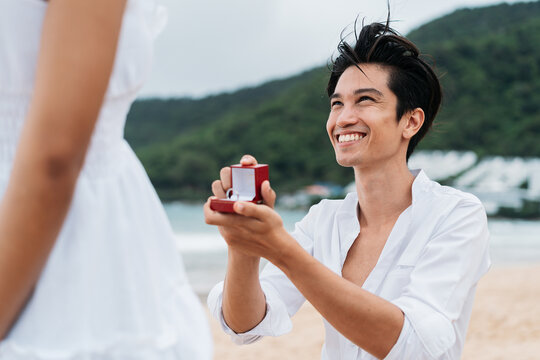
391	268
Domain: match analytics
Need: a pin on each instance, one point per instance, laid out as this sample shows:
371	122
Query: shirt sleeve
282	298
443	281
276	322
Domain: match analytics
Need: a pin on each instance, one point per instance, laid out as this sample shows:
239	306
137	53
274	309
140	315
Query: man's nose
347	117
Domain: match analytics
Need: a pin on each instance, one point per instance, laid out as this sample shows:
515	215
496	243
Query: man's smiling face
362	124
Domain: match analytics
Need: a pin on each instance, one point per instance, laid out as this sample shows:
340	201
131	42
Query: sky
214	46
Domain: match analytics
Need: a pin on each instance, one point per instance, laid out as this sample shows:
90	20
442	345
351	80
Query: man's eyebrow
360	91
368	90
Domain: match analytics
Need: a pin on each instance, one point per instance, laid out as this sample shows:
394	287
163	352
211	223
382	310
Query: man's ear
413	121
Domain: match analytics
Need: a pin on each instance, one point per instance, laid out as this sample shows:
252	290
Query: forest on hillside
488	60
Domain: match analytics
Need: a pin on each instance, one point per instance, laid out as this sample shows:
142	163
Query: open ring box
246	186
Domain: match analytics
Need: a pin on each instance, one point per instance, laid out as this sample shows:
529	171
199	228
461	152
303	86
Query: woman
88	266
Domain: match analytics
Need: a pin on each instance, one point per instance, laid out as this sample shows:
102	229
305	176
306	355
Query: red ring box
246	186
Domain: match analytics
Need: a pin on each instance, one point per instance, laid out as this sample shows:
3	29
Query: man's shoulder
446	194
441	203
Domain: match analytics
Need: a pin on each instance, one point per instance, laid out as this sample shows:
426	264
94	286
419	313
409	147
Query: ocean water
204	252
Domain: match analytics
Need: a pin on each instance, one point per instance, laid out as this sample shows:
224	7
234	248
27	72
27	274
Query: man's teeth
350	137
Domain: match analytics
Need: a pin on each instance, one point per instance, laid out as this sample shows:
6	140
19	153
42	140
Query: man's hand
255	230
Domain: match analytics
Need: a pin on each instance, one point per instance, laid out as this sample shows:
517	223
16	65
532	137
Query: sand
505	324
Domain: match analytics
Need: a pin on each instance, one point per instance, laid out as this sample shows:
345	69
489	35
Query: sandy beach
505	324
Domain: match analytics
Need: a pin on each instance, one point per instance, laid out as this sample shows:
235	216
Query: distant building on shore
507	186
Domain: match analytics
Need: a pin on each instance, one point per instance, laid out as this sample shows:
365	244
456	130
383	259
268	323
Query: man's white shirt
429	268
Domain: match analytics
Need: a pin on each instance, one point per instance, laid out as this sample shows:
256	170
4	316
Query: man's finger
268	194
225	176
248	160
250	209
212	217
217	189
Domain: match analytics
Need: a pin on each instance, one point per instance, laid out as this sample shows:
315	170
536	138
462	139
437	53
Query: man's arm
244	304
438	298
77	53
369	321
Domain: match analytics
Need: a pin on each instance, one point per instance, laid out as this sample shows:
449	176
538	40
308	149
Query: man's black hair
410	78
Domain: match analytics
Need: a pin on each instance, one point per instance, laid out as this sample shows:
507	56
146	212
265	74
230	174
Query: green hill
489	63
489	59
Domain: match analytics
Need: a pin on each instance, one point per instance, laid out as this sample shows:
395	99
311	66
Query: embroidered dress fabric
114	286
429	268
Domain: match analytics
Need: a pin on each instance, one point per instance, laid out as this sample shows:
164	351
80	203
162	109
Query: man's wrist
285	254
239	258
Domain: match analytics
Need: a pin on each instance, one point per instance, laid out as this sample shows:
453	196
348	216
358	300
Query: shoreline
505	323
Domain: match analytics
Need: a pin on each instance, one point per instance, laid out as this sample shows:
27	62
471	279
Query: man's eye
365	98
335	103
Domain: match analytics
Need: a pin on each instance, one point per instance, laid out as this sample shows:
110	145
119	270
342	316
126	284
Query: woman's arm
77	53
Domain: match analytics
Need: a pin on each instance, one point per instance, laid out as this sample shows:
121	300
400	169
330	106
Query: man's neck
383	193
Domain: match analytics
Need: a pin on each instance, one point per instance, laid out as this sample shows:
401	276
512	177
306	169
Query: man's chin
347	162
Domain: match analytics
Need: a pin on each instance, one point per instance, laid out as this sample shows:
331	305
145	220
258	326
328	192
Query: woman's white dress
114	286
